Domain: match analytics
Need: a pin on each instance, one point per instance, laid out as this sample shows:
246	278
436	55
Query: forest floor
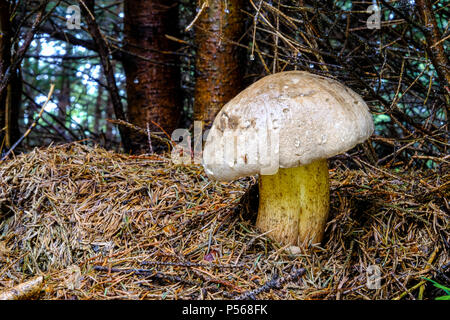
101	225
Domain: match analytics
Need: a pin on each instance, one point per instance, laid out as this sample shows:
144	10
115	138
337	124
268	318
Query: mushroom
284	127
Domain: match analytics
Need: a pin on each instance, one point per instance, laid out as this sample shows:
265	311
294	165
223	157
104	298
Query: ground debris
101	225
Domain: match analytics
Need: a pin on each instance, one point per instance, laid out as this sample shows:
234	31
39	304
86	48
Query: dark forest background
135	69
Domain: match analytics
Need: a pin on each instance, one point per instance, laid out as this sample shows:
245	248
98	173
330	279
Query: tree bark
219	63
5	63
152	71
13	107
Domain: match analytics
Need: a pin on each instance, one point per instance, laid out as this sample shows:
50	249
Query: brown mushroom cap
285	120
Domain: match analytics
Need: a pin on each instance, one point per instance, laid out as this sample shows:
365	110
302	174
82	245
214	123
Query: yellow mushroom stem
294	203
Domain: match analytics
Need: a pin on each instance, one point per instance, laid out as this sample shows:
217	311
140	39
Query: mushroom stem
294	203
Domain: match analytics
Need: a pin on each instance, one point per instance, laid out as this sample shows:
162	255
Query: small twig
205	4
274	283
24	290
255	20
138	129
205	276
145	272
188	264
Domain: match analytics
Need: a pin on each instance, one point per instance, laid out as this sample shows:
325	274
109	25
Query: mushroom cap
284	120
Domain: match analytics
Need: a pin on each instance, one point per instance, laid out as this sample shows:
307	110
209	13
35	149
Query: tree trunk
5	63
152	71
219	62
13	106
